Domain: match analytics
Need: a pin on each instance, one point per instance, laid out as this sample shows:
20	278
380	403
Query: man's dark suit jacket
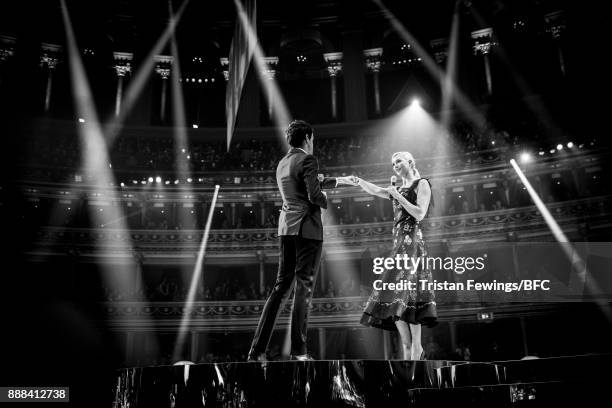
296	176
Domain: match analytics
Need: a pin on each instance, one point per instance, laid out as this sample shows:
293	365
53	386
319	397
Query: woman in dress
404	310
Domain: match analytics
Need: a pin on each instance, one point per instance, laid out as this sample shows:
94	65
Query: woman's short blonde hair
409	158
404	155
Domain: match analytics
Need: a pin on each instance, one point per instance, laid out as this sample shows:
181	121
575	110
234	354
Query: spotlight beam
94	154
578	264
533	104
139	80
280	112
114	124
451	68
463	102
178	107
548	218
195	281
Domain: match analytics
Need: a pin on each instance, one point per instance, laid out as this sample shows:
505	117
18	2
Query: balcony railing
525	222
243	315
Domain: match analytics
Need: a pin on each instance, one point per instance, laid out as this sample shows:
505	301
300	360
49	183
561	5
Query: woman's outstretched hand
348	180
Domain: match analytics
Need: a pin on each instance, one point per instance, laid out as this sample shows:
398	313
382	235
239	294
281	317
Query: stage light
183	150
189	180
167	182
150	179
183	363
570	145
122	184
81	120
158	179
415	101
195	127
176	181
552	151
134	181
559	146
525	157
541	153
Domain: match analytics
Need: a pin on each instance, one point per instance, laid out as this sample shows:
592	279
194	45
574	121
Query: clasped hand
348	180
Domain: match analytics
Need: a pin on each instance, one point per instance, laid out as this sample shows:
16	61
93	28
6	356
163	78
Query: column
323	273
483	42
232	215
524	335
130	347
271	64
577	186
453	335
439	47
380	209
138	276
225	68
143	213
373	61
353	71
555	26
49	57
163	68
261	259
262	208
173	216
7	48
193	353
334	67
321	343
350	203
123	66
386	345
475	197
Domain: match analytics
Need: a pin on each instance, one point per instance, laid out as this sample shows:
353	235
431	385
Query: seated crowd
160	155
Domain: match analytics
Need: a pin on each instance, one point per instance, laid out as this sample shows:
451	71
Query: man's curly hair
297	131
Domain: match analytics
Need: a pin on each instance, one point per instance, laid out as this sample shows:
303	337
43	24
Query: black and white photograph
305	203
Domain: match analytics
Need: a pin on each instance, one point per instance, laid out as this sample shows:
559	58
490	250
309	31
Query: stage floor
367	383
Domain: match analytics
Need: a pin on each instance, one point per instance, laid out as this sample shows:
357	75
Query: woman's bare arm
419	210
372	188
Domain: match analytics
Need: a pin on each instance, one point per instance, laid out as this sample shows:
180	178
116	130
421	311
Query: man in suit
301	239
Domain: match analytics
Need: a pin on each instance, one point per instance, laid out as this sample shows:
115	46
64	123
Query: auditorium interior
142	229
